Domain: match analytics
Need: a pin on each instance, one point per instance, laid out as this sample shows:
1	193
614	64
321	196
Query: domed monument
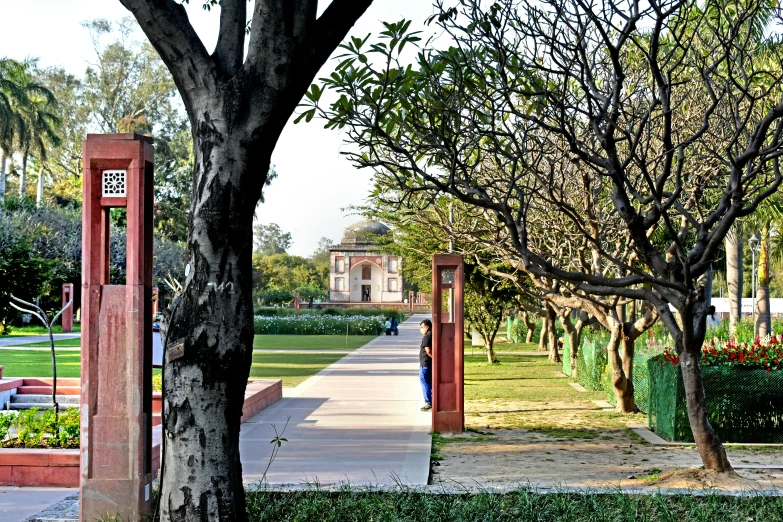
359	272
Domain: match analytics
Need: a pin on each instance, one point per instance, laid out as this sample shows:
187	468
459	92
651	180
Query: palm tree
41	122
12	124
734	275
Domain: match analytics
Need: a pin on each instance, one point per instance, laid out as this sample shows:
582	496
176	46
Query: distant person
425	363
713	321
310	303
394	324
388	326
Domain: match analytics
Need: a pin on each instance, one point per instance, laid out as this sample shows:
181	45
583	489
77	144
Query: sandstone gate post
116	367
448	369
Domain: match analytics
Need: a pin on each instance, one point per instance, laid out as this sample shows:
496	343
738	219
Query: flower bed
36	428
743	387
310	324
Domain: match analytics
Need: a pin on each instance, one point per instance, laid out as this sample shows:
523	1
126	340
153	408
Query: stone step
31	405
43	399
43	390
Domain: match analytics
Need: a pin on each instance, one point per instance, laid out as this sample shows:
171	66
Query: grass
518	378
291	368
37	363
62	343
267	342
310	342
346	506
21	331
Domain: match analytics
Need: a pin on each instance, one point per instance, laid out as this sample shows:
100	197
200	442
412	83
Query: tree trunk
763	325
734	277
621	381
202	474
489	346
3	174
551	317
531	327
542	339
23	178
39	193
712	453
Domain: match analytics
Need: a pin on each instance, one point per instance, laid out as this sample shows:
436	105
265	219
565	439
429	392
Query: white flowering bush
306	324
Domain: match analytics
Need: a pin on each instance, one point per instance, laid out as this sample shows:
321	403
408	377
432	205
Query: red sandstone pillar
448	365
67	317
116	376
410	302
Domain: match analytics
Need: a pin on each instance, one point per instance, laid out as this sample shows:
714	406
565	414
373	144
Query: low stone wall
60	467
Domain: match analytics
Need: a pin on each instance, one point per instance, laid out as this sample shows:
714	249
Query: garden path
356	421
29	339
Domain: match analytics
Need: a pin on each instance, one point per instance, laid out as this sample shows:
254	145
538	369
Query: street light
754	247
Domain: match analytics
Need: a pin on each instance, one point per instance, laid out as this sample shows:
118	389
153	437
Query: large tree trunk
689	344
734	277
763	319
205	388
530	325
23	178
3	175
621	379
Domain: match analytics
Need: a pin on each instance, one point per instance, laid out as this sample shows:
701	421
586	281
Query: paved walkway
356	421
29	339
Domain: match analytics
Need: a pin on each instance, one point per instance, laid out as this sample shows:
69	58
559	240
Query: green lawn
21	331
291	368
318	505
310	342
38	363
519	378
269	342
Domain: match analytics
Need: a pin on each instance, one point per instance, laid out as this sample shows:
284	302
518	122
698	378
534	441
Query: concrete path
356	421
29	339
16	504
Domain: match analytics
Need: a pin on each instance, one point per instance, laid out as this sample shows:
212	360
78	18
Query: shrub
37	429
315	324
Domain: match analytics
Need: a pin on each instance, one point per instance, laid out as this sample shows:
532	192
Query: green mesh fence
567	356
591	365
743	404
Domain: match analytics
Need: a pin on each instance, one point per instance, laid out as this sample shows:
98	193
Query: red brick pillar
67	317
116	375
410	302
448	365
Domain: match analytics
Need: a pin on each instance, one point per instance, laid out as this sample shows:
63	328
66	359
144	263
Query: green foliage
277	276
525	505
23	273
319	324
38	429
270	239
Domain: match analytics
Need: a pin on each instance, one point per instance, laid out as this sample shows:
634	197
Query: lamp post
754	247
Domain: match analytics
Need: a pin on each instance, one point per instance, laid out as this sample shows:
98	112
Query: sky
315	184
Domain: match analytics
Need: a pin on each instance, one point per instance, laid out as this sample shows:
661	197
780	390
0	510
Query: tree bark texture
734	273
544	335
23	178
551	317
622	370
530	325
238	104
763	325
688	345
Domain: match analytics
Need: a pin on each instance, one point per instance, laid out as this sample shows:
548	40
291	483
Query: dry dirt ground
551	444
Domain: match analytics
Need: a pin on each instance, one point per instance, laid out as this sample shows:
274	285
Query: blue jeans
425	376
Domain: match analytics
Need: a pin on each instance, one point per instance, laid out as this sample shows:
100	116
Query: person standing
713	321
425	363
